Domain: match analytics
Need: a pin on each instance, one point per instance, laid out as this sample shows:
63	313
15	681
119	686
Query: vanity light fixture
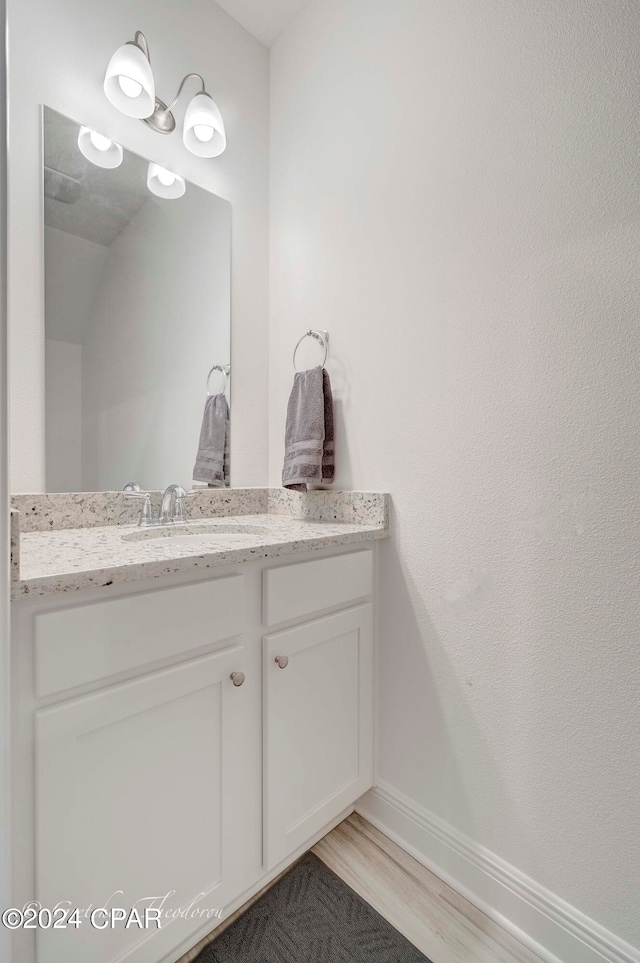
130	87
99	149
129	82
164	183
203	133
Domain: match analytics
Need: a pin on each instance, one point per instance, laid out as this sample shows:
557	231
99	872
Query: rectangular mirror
137	314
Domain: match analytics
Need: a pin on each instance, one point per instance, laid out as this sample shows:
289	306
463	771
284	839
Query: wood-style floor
442	924
436	919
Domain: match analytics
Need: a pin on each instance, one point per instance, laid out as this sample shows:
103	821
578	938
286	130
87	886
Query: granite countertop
69	559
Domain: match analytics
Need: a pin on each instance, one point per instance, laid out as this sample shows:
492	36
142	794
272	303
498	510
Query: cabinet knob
237	678
282	661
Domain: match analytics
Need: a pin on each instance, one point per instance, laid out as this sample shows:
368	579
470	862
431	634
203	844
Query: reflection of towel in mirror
212	460
309	453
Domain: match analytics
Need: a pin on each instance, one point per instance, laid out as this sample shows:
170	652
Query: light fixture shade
131	63
203	114
99	149
164	183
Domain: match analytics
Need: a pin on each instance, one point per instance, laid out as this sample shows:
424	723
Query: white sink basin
195	534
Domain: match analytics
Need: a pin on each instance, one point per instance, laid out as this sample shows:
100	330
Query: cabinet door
318	726
134	787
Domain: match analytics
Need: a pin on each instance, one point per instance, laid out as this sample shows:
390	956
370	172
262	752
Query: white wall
63	413
5	686
454	190
159	322
61	51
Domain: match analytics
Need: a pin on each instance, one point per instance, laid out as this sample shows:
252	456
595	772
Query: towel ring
322	337
224	369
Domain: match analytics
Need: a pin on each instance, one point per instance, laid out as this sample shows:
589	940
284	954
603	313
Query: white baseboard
553	929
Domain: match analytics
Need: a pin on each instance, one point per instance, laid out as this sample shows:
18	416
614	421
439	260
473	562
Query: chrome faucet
174	496
171	510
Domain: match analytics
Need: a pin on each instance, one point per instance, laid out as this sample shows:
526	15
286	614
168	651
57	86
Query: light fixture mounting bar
182	83
162	120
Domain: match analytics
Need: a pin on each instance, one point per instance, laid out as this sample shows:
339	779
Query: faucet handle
181	497
181	494
146	515
142	496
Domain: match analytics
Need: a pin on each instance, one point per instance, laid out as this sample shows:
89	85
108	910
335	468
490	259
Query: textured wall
59	54
455	196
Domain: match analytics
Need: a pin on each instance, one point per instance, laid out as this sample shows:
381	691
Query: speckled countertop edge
15	546
67	561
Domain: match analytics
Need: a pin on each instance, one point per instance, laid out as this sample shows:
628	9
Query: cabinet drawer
89	642
296	591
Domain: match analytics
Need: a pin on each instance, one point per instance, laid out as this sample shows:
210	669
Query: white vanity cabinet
317	679
161	751
139	793
318	726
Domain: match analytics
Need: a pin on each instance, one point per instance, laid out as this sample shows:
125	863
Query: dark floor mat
311	916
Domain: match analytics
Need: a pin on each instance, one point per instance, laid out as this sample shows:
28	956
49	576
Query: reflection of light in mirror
203	132
129	87
98	149
164	183
166	177
99	141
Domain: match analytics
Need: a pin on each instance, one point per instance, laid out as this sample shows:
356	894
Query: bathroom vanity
191	714
192	702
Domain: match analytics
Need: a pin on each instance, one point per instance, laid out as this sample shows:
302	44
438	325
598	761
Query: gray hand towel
212	460
309	451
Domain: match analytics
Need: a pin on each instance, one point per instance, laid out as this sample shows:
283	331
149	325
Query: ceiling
265	19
